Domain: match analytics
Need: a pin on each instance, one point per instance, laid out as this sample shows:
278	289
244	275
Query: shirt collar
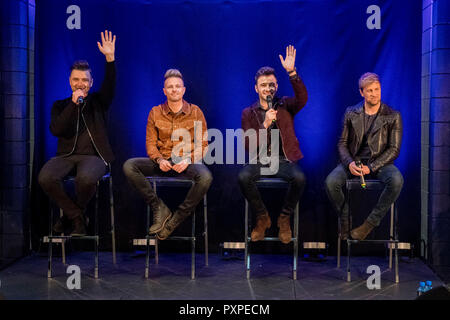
186	108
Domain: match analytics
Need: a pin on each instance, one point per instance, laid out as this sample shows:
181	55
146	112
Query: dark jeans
389	175
137	169
288	171
87	170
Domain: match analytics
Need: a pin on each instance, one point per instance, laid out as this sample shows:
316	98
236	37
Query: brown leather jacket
287	108
384	140
161	124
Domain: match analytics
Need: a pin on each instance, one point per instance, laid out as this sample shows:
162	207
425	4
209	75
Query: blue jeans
288	171
389	175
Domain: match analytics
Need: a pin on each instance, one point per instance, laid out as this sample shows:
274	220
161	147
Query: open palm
107	47
289	62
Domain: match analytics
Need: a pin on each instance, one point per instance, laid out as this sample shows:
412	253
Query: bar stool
354	184
271	183
176	182
63	238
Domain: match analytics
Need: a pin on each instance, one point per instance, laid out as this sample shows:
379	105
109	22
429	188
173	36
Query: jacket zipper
90	136
76	137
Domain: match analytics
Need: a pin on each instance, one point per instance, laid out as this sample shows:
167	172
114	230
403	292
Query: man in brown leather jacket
165	158
265	119
371	135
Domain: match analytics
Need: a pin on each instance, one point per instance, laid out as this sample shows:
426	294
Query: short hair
264	71
173	73
81	65
368	78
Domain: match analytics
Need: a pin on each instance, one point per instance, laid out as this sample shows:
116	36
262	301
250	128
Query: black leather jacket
384	140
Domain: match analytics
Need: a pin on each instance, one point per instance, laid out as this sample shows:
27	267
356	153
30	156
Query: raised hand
108	45
289	62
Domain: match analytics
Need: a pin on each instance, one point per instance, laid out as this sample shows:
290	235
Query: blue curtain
218	46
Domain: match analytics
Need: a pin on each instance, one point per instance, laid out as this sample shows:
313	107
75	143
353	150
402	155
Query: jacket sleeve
108	87
344	153
200	144
152	138
63	122
393	146
296	103
250	131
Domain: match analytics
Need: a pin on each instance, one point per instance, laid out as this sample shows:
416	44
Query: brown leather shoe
262	223
362	231
285	233
344	229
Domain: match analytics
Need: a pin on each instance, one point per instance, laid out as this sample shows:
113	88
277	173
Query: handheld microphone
80	100
269	101
363	182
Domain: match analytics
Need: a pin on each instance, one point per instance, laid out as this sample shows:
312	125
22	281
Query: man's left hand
289	62
108	45
365	170
181	166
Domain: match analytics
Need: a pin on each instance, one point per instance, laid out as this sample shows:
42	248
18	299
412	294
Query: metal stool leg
339	244
193	247
96	231
205	230
63	241
247	253
391	235
349	277
295	242
147	256
113	228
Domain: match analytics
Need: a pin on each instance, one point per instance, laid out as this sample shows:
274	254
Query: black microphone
269	101
80	100
363	182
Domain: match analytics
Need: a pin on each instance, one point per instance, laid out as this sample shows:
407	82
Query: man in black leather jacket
79	123
369	144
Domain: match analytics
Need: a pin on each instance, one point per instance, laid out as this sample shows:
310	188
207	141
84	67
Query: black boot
171	225
63	224
161	214
79	226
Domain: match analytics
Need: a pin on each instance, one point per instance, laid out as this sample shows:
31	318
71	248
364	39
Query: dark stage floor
271	278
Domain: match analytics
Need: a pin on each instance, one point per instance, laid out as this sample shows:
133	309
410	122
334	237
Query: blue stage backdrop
218	46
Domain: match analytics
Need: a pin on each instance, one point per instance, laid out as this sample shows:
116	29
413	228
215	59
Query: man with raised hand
272	114
79	123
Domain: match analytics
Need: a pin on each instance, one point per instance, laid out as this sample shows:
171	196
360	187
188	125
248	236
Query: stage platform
271	278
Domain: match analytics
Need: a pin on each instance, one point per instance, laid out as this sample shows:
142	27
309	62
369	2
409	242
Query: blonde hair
173	73
368	78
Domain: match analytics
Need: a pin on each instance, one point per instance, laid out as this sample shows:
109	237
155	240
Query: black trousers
88	169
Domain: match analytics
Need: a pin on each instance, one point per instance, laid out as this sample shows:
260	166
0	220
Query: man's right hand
76	94
271	115
354	169
165	165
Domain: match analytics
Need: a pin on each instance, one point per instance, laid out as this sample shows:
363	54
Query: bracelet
295	70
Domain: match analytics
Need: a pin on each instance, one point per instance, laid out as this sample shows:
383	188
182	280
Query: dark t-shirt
84	143
364	150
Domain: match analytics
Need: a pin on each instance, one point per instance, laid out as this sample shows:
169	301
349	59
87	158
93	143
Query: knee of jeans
128	167
396	181
243	177
299	179
206	178
46	180
331	183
